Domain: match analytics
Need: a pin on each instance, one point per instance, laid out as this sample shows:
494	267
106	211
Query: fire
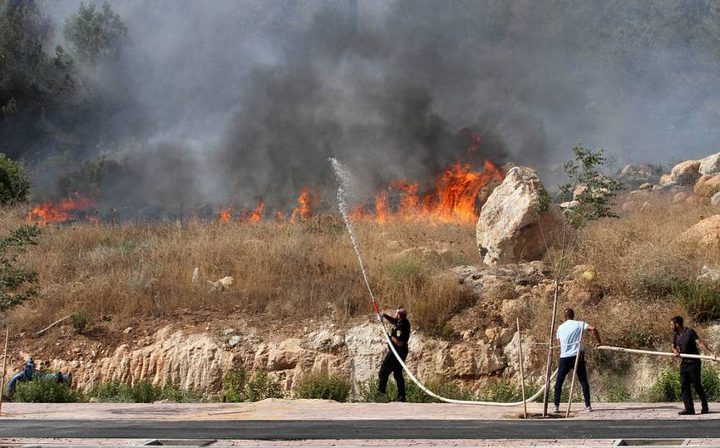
305	206
63	211
257	214
453	198
225	215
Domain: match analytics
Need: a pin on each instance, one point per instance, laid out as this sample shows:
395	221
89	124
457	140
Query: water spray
345	186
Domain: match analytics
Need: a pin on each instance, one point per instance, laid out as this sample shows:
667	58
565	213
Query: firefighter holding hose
686	341
399	336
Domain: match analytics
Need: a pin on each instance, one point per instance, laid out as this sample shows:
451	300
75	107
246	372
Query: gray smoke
224	101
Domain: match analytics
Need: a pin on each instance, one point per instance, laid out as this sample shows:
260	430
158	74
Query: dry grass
645	246
296	271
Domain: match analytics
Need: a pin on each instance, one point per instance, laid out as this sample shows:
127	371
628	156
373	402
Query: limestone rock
634	175
509	228
706	186
285	355
366	348
188	360
685	173
706	233
710	165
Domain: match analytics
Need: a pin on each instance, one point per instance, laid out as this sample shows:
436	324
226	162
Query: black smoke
217	102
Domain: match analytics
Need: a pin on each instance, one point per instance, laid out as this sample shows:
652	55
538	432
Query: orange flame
62	211
257	214
225	215
453	198
305	206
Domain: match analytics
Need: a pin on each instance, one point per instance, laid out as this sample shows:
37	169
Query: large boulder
710	165
706	233
685	173
509	228
707	186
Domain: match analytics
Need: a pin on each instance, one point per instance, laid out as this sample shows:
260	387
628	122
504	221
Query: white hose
654	353
343	177
450	400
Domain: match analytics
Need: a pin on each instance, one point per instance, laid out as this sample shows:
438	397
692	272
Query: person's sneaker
588	408
686	412
401	399
556	409
380	398
705	411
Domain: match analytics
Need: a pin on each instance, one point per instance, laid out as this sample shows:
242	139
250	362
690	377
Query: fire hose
345	184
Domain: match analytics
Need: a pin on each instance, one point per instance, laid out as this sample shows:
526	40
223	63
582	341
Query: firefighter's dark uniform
685	342
401	331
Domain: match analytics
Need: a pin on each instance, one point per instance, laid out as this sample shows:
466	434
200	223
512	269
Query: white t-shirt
570	334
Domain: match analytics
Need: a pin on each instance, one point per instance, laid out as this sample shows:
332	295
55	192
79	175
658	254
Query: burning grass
286	270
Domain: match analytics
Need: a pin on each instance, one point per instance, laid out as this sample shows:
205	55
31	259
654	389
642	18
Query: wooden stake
522	370
39	333
548	367
572	382
2	380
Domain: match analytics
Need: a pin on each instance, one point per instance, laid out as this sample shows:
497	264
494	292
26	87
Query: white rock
710	164
509	227
234	340
686	173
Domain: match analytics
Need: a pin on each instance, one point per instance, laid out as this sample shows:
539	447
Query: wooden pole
522	369
572	382
2	380
548	367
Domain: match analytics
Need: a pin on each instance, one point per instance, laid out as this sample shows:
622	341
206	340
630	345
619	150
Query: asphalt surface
360	429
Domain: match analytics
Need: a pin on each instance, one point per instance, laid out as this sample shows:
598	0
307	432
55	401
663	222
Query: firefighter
399	337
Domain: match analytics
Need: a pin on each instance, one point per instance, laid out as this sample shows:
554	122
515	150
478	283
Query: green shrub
14	183
262	386
45	390
239	387
80	320
367	391
142	392
16	283
700	300
323	385
667	386
233	386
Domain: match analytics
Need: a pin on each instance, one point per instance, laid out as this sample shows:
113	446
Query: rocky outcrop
710	165
706	186
685	173
706	233
509	228
186	360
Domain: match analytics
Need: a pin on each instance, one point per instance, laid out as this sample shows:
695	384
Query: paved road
361	429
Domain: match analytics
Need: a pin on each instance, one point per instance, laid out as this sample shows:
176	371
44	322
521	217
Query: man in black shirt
686	342
399	337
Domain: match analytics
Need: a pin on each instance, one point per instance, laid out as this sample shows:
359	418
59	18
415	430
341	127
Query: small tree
14	184
16	283
590	196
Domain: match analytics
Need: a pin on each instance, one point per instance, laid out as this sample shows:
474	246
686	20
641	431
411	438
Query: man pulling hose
686	341
570	334
399	336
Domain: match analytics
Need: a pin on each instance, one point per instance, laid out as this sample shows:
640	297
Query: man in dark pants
399	337
570	335
686	342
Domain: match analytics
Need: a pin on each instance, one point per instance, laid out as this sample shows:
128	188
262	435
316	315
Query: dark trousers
391	365
690	376
566	366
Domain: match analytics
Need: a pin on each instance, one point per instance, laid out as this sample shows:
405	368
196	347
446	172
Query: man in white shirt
570	335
